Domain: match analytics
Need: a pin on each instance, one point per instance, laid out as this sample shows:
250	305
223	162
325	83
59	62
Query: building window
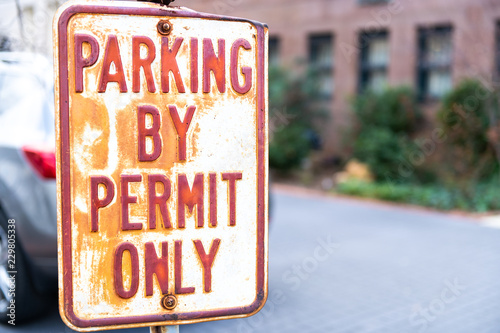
322	62
374	60
435	55
274	51
497	55
372	2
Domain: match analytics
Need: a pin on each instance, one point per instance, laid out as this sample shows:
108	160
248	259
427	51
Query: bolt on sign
162	165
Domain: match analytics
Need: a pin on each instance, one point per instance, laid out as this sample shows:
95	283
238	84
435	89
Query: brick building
427	44
357	44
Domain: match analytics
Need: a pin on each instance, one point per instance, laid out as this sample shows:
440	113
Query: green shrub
485	196
394	109
458	171
466	117
292	117
289	147
386	122
383	150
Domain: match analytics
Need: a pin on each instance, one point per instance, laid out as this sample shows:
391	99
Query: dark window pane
374	60
497	55
321	62
372	2
321	50
435	58
274	50
439	82
438	50
378	52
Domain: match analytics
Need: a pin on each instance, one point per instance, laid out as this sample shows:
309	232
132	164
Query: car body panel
27	118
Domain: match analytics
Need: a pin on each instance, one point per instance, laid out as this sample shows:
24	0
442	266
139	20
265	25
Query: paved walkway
340	265
347	266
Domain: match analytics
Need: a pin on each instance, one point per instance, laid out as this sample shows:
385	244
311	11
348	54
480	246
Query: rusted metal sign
162	165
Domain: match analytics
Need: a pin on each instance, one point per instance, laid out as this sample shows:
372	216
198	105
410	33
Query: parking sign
162	165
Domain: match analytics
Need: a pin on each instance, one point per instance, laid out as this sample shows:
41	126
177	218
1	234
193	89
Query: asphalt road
341	265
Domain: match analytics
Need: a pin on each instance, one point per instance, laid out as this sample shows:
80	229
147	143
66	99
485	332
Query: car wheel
19	301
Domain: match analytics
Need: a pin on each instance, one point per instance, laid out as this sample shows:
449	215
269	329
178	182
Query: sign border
64	181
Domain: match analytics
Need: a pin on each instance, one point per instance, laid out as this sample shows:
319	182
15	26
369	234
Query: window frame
364	67
496	75
324	70
423	67
372	2
274	45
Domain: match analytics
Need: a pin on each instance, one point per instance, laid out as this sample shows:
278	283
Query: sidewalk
343	265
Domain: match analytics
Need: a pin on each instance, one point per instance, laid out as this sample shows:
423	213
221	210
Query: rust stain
194	140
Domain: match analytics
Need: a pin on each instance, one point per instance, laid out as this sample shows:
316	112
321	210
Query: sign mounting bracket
161	2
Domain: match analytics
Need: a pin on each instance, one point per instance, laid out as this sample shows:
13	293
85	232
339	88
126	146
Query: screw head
169	302
164	27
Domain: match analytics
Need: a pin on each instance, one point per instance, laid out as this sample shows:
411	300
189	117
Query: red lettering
127	199
194	65
160	200
112	55
212	63
118	267
169	64
80	61
207	261
156	266
232	177
213	199
189	197
95	202
246	71
145	63
181	127
152	132
178	271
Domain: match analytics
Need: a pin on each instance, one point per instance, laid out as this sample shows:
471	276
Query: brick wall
473	24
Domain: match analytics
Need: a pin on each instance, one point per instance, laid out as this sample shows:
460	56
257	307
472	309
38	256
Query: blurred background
384	158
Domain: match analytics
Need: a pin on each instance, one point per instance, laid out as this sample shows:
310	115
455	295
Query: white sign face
162	165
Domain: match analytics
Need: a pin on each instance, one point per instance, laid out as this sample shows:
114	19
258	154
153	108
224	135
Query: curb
484	219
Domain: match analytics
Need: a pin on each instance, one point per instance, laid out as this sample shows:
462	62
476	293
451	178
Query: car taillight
42	160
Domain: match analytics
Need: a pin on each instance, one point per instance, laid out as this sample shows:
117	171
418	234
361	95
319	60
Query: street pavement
349	266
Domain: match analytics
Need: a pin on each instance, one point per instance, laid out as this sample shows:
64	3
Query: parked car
28	219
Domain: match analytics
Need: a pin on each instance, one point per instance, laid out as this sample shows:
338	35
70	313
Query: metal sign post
162	148
165	329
